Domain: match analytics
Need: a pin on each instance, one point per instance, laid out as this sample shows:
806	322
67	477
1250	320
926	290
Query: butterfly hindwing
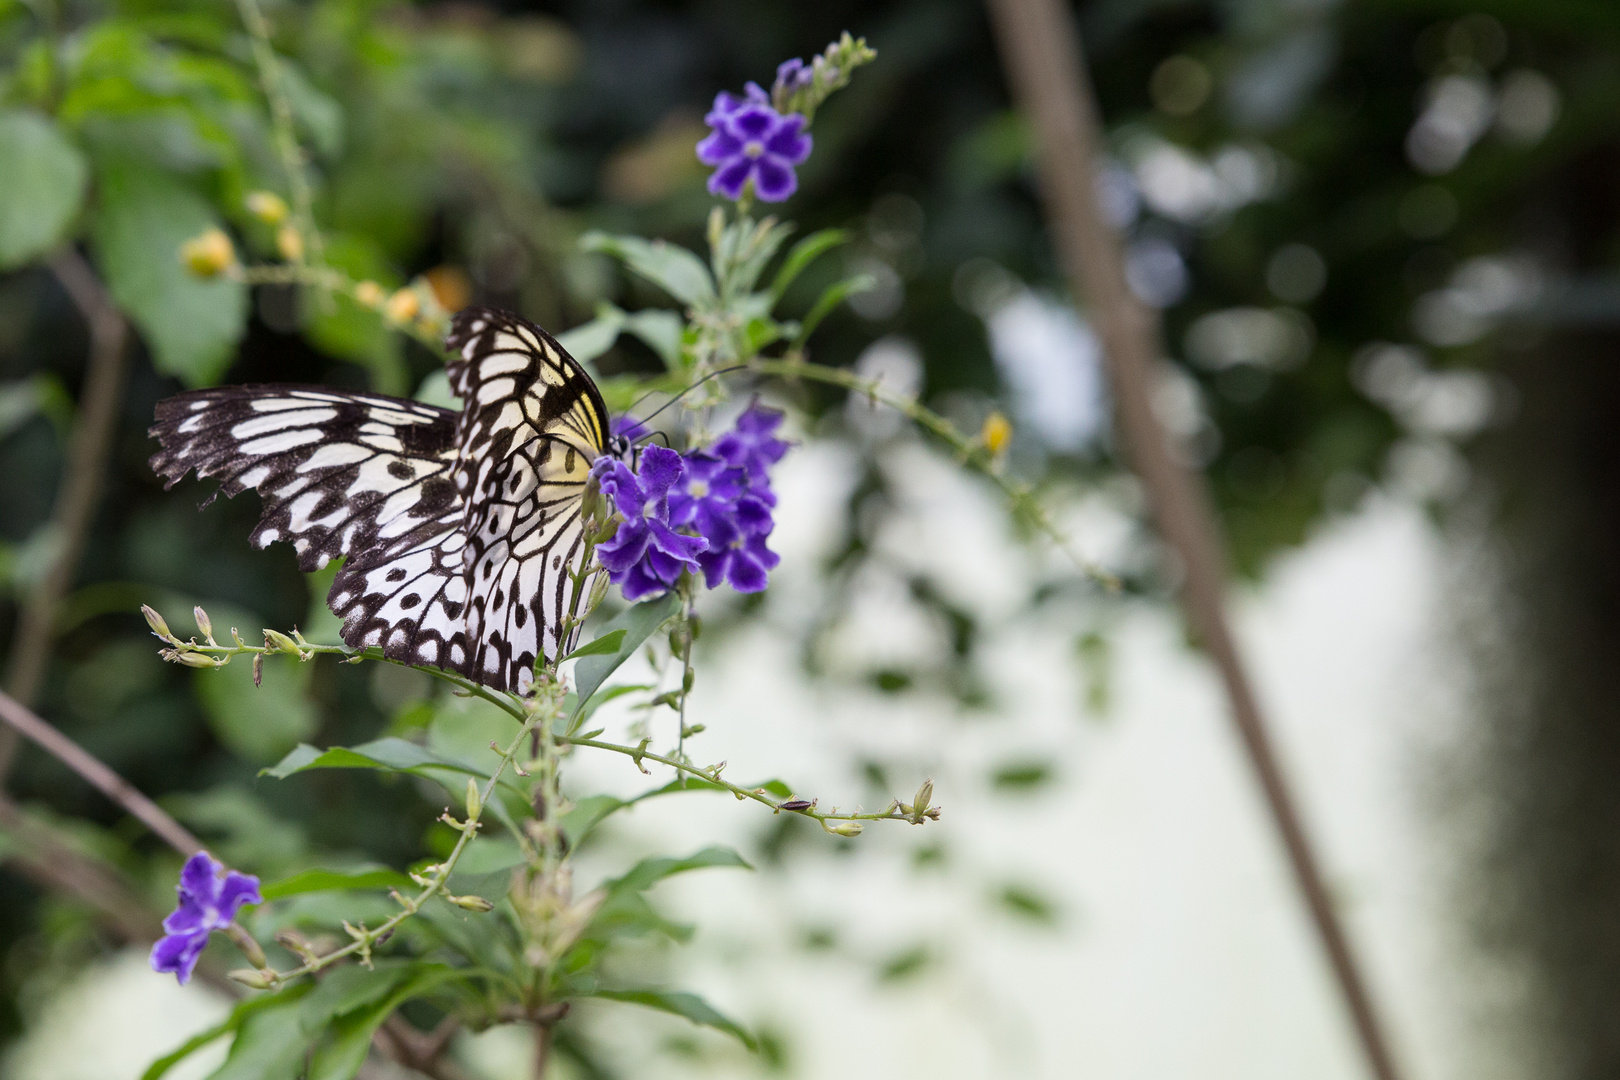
342	475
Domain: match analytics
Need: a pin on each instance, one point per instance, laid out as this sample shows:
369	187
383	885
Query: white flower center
753	148
698	489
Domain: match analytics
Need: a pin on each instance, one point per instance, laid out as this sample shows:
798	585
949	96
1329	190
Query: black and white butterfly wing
342	475
533	424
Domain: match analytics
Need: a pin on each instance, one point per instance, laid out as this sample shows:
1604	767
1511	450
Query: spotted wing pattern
532	425
342	475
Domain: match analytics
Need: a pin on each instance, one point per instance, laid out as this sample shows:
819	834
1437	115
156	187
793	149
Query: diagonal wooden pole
1040	46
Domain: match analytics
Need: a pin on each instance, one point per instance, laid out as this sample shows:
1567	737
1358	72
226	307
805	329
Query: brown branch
422	1051
102	778
1041	53
45	859
82	479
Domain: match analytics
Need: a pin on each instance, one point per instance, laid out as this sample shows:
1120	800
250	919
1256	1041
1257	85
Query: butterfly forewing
532	425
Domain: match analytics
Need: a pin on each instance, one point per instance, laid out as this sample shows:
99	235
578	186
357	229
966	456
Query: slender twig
971	452
103	779
1042	57
48	860
83	476
282	127
432	880
711	774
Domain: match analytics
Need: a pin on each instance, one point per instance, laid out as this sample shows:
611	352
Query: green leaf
639	623
607	643
271	1041
660	331
387	755
307	881
258	723
679	1003
191	325
673	269
341	1057
801	255
168	1061
587	814
45	180
649	872
831	297
587	341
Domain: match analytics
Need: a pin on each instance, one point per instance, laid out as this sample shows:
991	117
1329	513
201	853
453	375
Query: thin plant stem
115	787
83	477
1046	68
283	129
436	879
970	451
516	708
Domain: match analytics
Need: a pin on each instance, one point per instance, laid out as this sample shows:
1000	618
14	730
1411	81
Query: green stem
710	775
283	131
364	939
971	451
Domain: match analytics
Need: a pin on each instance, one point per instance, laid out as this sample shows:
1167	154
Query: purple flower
791	77
737	553
208	902
753	447
751	141
646	555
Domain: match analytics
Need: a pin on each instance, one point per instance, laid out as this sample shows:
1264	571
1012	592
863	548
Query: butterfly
461	532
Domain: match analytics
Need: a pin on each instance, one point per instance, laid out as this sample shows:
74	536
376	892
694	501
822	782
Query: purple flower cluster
709	510
208	902
752	142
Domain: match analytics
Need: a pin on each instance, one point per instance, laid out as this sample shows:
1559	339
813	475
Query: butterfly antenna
711	375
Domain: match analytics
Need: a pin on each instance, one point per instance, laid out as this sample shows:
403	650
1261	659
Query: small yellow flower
267	206
290	243
404	305
370	294
996	433
208	255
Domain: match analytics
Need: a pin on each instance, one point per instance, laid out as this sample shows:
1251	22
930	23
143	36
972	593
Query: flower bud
370	294
471	903
209	254
475	802
403	306
155	621
204	624
996	433
919	804
276	641
845	828
258	669
290	243
267	206
258	980
198	660
599	588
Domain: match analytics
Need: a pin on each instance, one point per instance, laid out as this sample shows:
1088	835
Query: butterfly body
461	531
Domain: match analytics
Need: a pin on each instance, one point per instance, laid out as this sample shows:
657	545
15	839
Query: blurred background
1384	239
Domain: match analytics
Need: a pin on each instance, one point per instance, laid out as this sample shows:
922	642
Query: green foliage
259	723
687	1006
46	177
143	217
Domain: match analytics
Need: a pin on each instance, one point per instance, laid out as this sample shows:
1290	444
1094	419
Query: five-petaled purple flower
720	498
646	555
751	141
208	902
